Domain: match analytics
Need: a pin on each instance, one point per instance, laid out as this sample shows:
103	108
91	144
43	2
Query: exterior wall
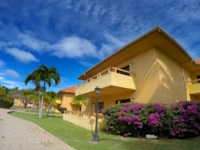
159	78
188	78
147	77
110	100
172	88
194	74
84	122
68	97
193	87
146	68
87	107
17	102
65	102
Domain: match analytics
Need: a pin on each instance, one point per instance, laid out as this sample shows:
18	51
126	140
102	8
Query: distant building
66	96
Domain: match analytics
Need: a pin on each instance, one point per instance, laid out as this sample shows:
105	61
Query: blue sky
74	35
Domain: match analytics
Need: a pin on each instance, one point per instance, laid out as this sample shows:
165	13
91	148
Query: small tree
78	100
50	98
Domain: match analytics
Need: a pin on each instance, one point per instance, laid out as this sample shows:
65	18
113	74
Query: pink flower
172	133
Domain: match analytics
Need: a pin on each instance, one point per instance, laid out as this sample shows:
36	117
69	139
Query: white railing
106	71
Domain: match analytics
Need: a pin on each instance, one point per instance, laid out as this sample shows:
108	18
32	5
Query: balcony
111	81
194	87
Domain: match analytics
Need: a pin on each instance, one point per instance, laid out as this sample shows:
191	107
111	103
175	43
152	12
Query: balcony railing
106	71
194	87
111	80
194	81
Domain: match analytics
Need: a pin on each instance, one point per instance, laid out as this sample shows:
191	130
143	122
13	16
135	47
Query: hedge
179	120
6	103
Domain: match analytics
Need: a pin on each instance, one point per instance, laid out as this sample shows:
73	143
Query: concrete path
18	134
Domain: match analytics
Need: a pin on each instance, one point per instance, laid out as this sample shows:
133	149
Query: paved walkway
18	134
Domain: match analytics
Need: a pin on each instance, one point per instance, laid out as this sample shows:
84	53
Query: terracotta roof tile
69	90
198	61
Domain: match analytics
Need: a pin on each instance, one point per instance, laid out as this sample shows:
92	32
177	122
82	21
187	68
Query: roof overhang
156	37
65	92
193	66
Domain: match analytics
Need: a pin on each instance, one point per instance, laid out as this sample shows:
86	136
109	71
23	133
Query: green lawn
80	138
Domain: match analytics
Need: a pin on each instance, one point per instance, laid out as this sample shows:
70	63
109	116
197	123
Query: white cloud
73	47
2	63
33	43
113	40
86	64
23	56
10	83
11	73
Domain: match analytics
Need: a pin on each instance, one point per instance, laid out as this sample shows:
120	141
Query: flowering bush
187	121
177	120
130	117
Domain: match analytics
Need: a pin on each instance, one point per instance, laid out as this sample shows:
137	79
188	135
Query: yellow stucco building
66	97
152	68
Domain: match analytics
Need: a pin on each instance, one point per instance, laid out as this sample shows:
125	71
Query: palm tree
43	75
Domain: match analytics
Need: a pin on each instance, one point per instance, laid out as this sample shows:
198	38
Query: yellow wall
18	102
110	100
86	123
87	106
68	97
188	78
65	102
171	87
193	87
194	74
158	79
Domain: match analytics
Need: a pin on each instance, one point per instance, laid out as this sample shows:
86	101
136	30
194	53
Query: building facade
67	96
152	68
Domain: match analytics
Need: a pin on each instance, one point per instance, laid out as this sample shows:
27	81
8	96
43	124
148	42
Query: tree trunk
41	105
43	90
48	109
39	98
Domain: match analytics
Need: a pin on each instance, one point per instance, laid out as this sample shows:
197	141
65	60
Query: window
100	106
124	73
123	101
198	79
79	108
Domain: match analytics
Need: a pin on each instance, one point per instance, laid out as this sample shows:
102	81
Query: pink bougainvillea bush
179	120
186	122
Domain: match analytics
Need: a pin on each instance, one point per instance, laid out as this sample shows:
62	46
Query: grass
80	138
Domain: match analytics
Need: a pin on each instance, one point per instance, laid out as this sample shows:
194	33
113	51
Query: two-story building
66	97
152	68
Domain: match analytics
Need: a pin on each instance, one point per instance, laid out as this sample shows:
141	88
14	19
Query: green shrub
62	109
6	103
111	115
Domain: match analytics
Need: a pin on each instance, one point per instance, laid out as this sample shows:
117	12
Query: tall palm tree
43	76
